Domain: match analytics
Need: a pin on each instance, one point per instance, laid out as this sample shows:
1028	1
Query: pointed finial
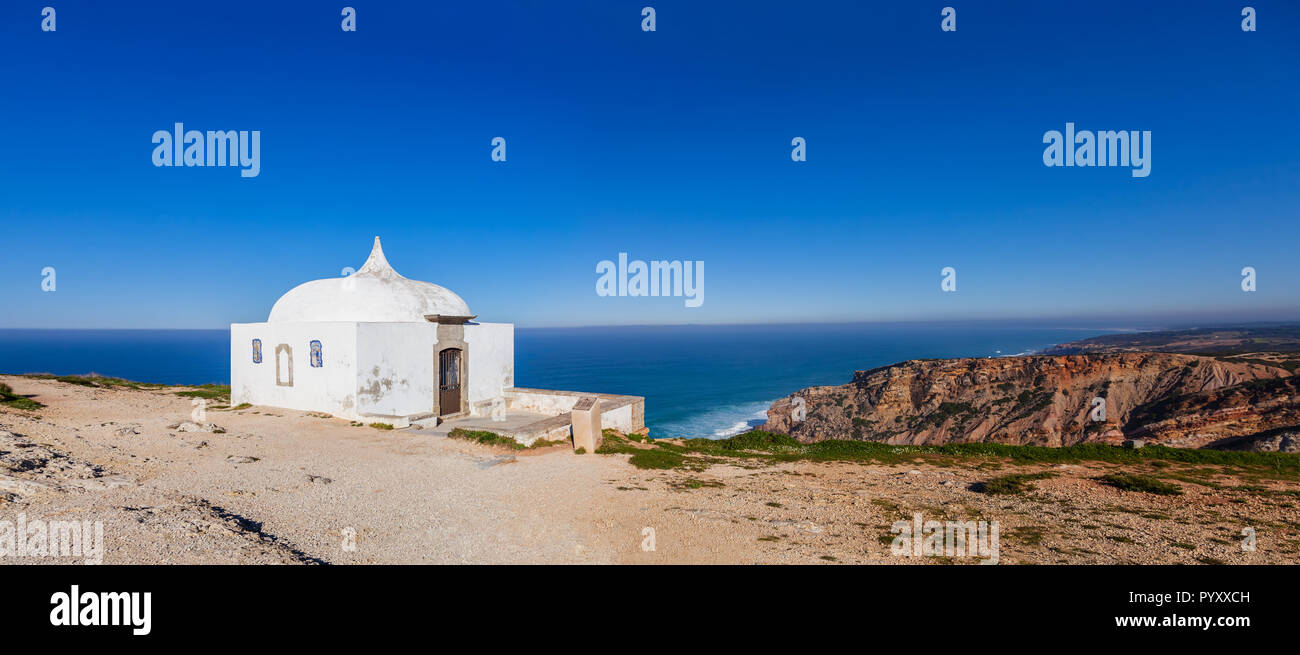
377	264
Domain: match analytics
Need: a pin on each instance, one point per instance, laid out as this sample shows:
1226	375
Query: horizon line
1153	323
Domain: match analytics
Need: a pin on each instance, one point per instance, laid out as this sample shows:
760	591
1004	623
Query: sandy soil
279	486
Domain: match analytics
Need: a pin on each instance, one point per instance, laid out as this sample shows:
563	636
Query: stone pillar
586	424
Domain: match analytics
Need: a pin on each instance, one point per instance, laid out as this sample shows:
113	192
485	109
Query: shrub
209	391
656	458
1010	484
9	399
486	438
1143	483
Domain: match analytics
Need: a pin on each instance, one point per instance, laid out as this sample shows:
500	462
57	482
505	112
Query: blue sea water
698	381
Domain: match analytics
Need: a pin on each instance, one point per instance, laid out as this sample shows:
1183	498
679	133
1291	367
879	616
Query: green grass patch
1016	483
486	438
93	380
639	438
693	483
780	447
209	391
382	426
661	456
775	448
1142	483
493	439
10	399
613	444
755	440
657	459
1027	535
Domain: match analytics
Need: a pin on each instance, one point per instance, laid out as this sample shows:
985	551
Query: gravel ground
264	485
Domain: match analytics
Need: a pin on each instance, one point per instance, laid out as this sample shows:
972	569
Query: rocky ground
260	485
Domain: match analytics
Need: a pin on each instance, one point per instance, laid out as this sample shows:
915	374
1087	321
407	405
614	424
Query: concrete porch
533	414
524	427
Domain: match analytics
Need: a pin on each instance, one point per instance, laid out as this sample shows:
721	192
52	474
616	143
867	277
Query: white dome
374	294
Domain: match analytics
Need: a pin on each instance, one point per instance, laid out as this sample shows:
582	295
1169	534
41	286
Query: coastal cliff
1177	400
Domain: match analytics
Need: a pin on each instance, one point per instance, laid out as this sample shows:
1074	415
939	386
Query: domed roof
374	294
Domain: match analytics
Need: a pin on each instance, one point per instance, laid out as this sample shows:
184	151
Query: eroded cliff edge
1177	400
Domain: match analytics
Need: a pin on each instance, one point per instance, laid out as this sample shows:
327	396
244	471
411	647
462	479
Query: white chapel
377	347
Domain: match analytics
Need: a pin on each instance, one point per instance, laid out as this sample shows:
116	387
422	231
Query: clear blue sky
924	151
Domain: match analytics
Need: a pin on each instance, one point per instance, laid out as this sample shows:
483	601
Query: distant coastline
709	381
1229	388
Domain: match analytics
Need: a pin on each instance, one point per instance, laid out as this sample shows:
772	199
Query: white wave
717	423
732	431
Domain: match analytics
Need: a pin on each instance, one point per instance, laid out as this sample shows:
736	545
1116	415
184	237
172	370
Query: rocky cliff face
1178	400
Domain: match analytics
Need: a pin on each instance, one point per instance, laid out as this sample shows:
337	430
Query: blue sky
924	151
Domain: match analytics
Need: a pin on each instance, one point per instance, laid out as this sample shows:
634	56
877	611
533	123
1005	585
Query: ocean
698	381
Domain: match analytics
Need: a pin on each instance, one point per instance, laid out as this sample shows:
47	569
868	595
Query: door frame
450	337
460	387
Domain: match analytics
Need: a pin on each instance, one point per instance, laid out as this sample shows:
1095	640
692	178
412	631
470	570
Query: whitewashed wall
620	419
370	369
395	368
330	388
491	359
551	403
628	418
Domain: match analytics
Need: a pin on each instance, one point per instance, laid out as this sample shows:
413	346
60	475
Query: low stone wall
623	413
